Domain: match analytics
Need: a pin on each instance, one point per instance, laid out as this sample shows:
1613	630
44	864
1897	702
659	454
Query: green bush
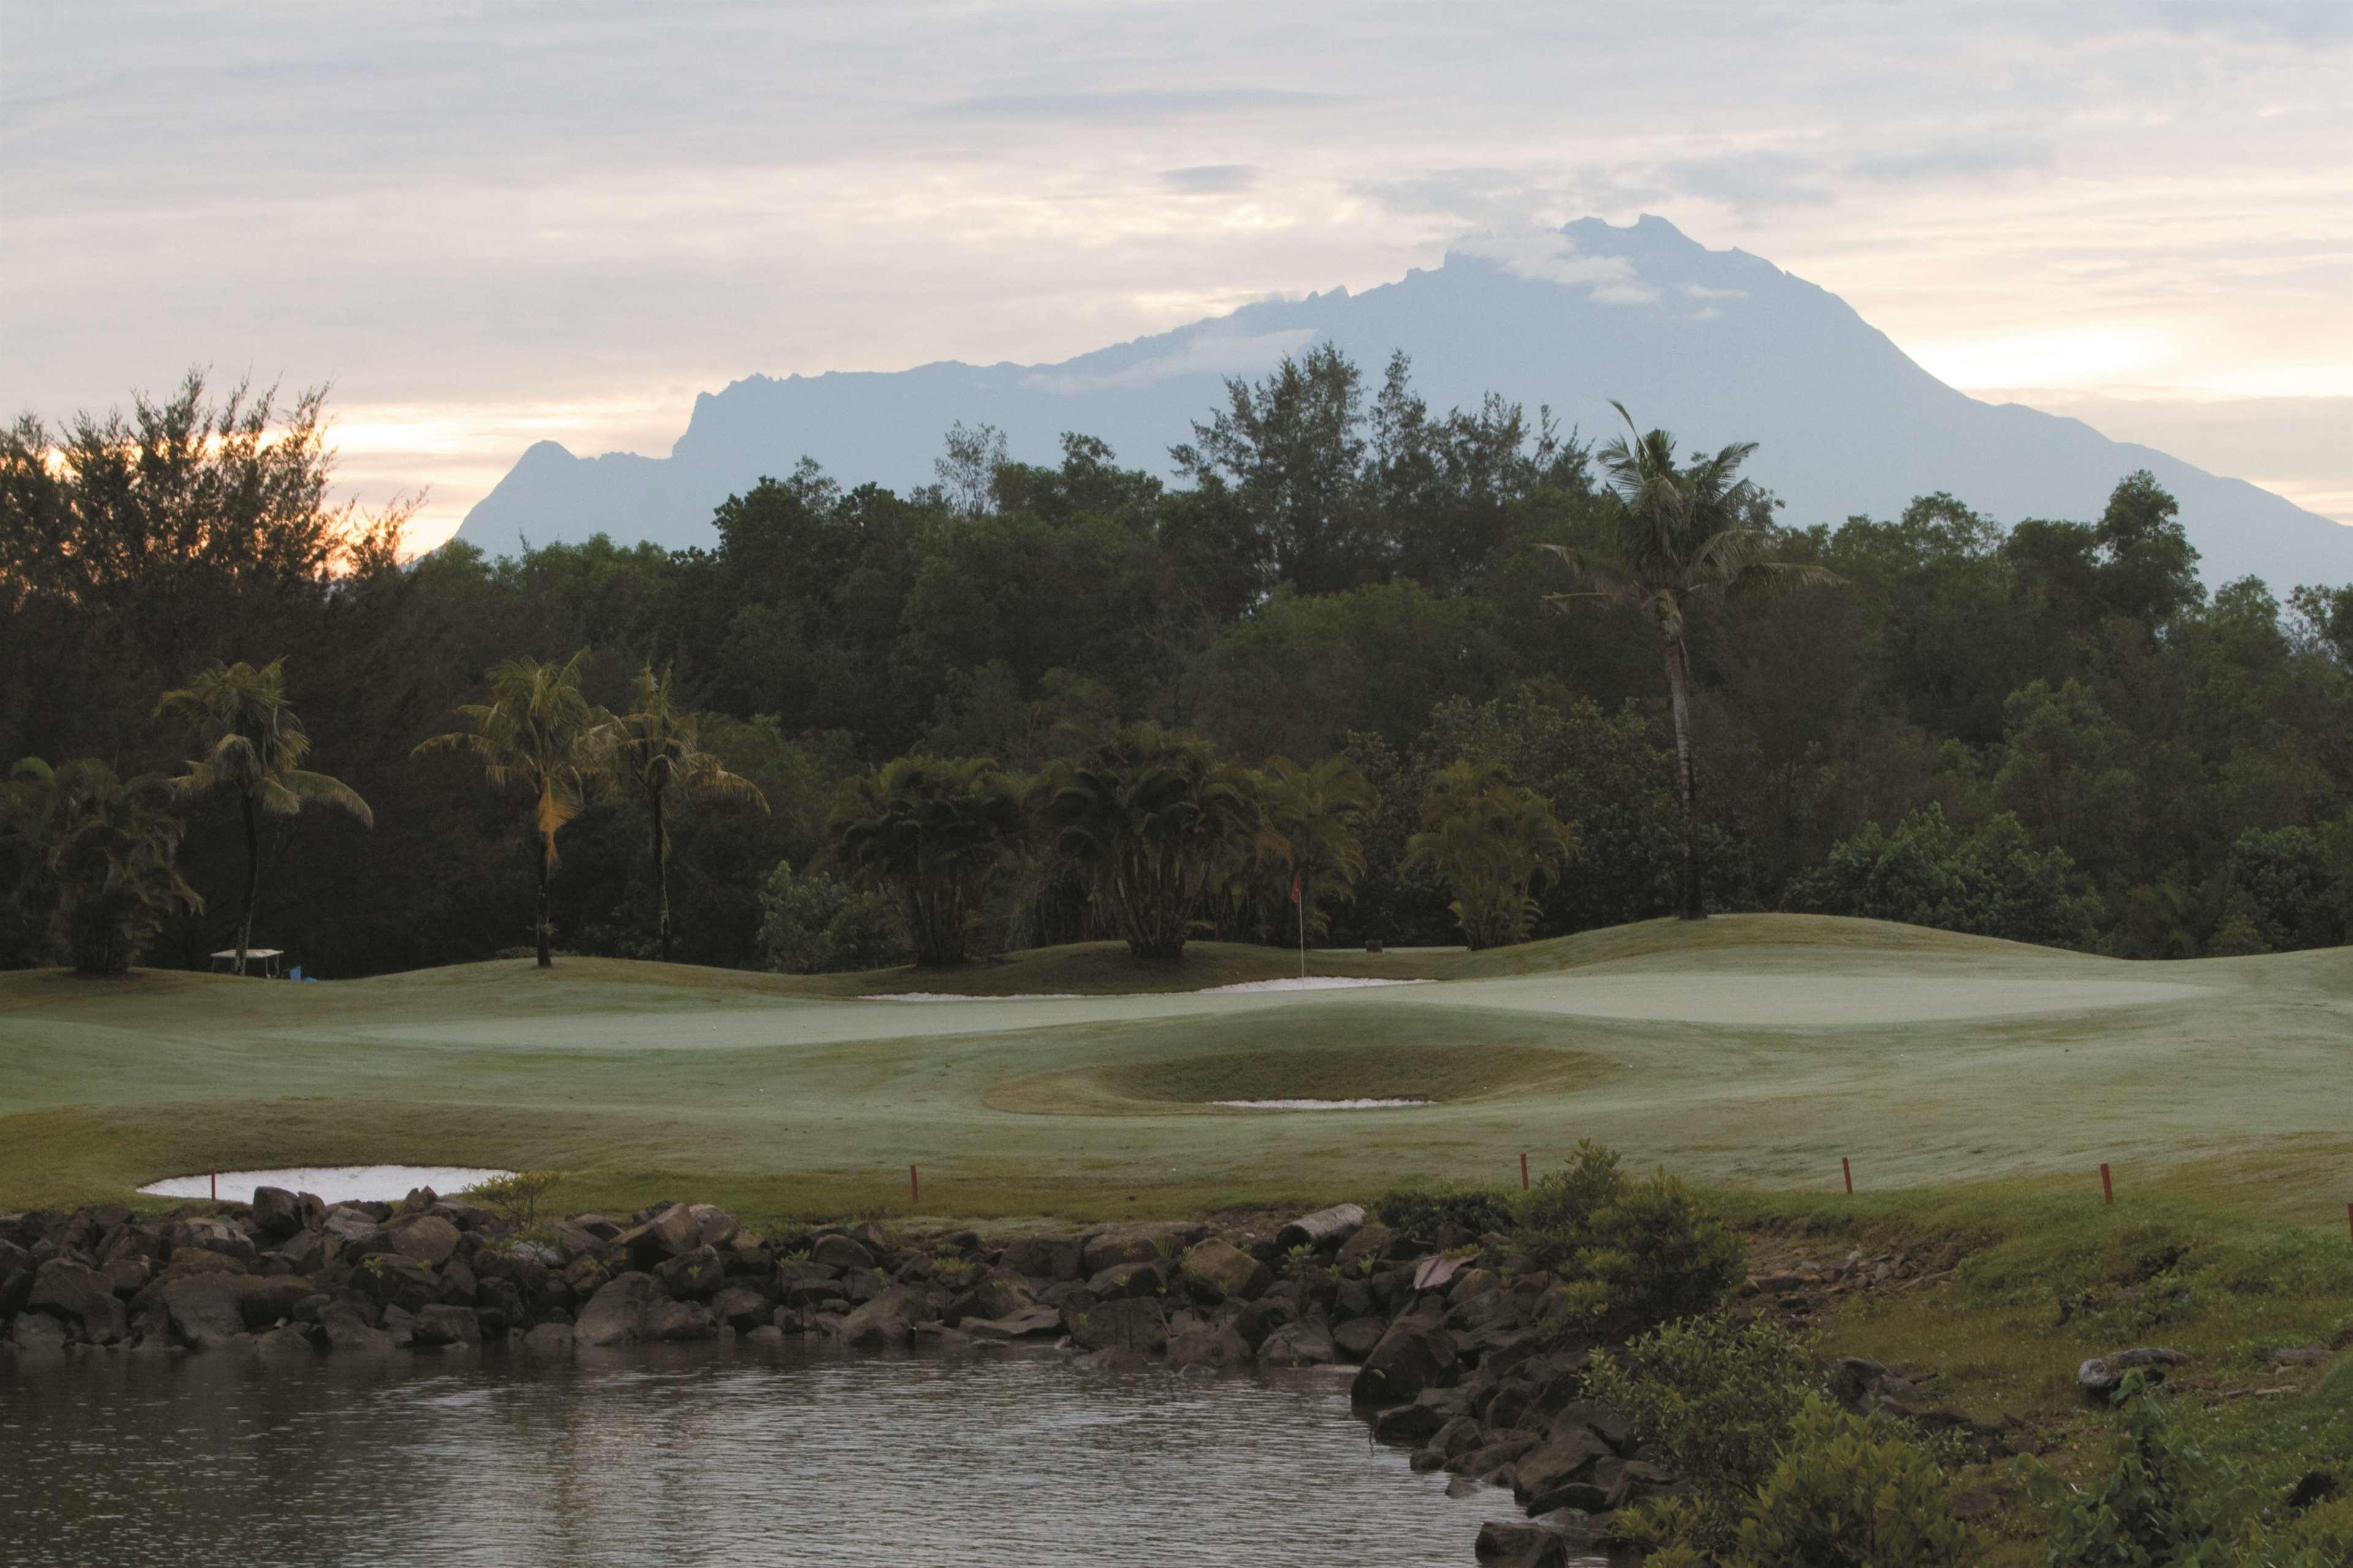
1639	1250
2162	1503
1419	1212
1850	1493
515	1198
815	924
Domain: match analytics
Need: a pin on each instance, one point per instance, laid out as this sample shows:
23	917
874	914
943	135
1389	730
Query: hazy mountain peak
1717	345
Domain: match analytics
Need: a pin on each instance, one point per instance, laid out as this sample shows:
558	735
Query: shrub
515	1198
2160	1505
1642	1250
1850	1493
815	924
1420	1211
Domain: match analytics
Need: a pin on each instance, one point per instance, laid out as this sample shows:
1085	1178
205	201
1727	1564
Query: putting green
1750	1049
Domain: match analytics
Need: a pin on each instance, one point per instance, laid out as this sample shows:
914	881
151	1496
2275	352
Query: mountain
1716	345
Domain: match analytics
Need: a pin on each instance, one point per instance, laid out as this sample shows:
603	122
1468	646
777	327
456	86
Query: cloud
1203	353
1958	161
1212	179
1134	106
1751	180
1555	258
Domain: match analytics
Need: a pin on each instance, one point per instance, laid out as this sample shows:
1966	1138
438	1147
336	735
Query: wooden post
915	1186
2107	1187
1847	1169
216	1186
1523	1176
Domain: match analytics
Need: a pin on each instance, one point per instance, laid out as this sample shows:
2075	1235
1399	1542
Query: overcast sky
492	221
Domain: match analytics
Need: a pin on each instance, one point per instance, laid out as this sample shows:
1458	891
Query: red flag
1294	886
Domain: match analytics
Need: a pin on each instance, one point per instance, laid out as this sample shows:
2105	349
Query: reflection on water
697	1455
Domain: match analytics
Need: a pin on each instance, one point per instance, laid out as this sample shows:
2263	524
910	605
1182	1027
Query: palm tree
929	832
1312	814
253	747
538	730
1158	821
98	851
1488	838
1683	535
655	749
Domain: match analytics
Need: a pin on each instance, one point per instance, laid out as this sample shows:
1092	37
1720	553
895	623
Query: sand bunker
331	1184
958	996
1318	1104
1303	983
1791	1001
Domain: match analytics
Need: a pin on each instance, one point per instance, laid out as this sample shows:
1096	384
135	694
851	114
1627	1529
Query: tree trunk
546	852
1678	689
661	876
252	880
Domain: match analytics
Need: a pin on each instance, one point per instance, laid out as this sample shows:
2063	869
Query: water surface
706	1455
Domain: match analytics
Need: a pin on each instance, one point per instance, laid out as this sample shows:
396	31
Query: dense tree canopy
2050	728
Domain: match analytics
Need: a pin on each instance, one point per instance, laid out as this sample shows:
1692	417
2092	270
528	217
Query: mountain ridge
1716	345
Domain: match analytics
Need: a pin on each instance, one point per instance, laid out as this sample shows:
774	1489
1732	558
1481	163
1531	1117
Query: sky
490	223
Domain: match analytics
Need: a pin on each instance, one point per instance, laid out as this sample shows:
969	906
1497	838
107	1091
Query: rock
550	1339
1538	1474
1150	1243
2302	1355
1219	1349
617	1314
2103	1373
1356	1338
80	1295
1369	1245
276	1212
2317	1486
37	1333
1409	1424
1304	1342
1414	1354
1585	1497
1325	1227
671	1322
1121	1280
1490	1456
1021	1325
1512	1543
268	1300
1436	1273
446	1325
207	1310
1047	1256
1855	1383
741	1307
766	1334
715	1225
188	1260
840	1253
427	1239
1002	1294
348	1223
693	1276
1134	1325
393	1281
293	1339
879	1324
1217	1270
347	1331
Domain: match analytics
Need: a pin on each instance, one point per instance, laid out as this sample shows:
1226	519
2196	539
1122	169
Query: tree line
1412	637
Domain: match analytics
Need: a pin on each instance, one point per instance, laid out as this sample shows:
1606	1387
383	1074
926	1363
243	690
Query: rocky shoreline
1447	1335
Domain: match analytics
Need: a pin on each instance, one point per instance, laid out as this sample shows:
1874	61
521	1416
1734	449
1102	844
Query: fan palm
929	832
539	731
1682	536
1158	822
253	746
98	851
1312	816
657	748
1488	838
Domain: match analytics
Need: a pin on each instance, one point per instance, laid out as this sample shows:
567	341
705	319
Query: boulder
37	1333
1047	1256
426	1238
1488	1457
390	1279
1149	1243
694	1275
879	1324
277	1214
293	1339
1537	1476
840	1253
269	1300
351	1224
617	1314
1121	1280
1518	1544
76	1294
447	1325
207	1310
2103	1373
1414	1354
1218	1349
1019	1325
1356	1338
741	1307
1303	1342
1002	1294
188	1260
1325	1227
347	1331
670	1321
714	1225
1217	1270
1368	1246
1134	1325
548	1340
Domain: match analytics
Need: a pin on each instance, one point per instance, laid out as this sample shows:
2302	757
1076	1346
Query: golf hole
329	1183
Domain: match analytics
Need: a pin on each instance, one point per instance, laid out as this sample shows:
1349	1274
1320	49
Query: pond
701	1455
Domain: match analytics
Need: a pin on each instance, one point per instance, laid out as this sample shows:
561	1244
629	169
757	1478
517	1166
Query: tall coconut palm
1312	816
1488	838
657	748
96	852
253	746
539	731
1158	821
1683	535
929	832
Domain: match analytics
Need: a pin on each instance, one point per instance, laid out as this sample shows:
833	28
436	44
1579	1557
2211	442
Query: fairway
1751	1050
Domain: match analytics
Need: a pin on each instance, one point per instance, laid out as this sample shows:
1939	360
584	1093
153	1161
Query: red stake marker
2107	1187
1524	1177
1847	1169
915	1186
216	1186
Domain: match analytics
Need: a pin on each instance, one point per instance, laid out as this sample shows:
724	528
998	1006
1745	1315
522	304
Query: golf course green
1749	1052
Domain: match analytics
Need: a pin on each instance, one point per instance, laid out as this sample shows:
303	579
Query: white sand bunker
1306	983
954	996
331	1184
1319	1104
